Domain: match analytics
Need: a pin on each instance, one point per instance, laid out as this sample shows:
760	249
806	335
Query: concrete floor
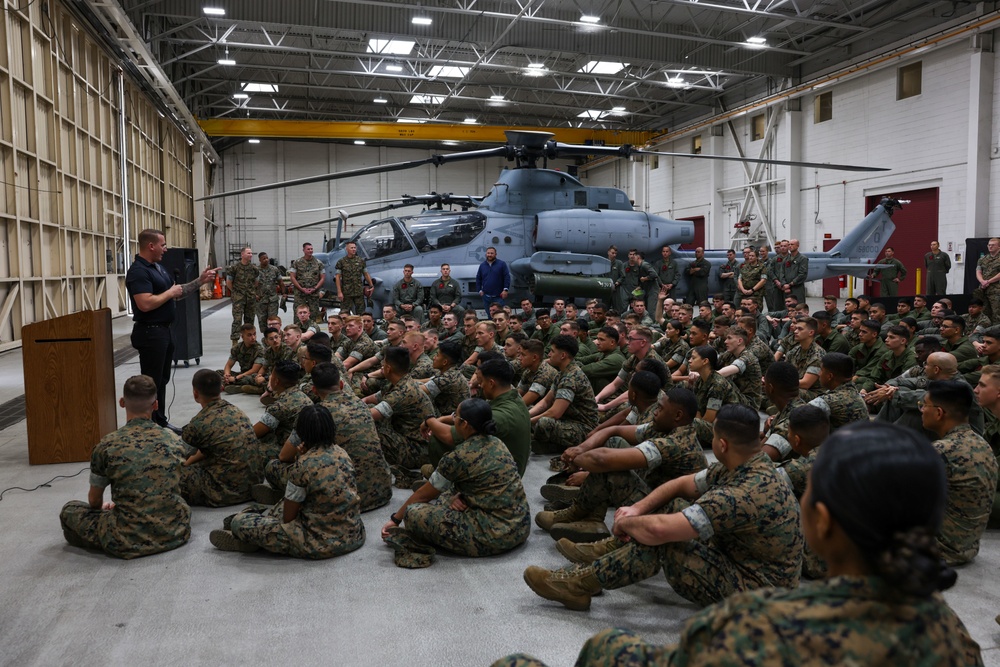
197	605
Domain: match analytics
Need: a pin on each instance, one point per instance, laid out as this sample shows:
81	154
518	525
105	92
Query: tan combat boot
546	520
586	553
573	588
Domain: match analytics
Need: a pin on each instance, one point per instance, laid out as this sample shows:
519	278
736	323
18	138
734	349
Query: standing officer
938	265
775	269
666	276
353	281
152	292
268	279
307	274
893	274
796	272
698	272
617	275
988	275
241	278
728	273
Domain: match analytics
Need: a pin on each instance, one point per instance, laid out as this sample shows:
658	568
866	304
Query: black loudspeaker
182	264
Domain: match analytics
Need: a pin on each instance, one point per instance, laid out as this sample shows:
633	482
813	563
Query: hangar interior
120	115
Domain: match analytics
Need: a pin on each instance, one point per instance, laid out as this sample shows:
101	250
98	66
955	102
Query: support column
981	66
791	135
718	227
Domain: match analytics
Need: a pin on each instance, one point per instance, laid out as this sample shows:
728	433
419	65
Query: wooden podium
69	385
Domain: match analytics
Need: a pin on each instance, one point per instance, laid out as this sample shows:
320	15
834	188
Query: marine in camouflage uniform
539	380
796	472
971	468
764	355
989	266
273	356
141	462
668	350
482	470
243	293
749	537
447	390
404	406
352	283
246	358
280	417
308	273
361	348
807	361
838	621
776	435
552	436
715	392
842	405
668	456
266	293
976	325
750	275
224	434
328	523
748	380
357	435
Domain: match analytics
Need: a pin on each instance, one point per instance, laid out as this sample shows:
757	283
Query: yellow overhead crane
304	129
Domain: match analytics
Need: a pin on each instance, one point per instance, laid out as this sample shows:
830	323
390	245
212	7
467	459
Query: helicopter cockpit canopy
425	232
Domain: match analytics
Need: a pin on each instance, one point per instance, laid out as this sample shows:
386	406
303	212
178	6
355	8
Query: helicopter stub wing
562	262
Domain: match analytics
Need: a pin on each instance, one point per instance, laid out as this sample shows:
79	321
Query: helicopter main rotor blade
626	151
352	205
436	160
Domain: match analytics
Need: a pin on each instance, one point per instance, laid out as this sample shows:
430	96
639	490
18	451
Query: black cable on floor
43	484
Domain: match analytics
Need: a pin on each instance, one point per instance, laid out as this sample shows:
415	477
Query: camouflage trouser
400	450
201	487
264	526
244	308
265	309
608	647
553	436
82	520
993	297
266	450
311	300
276	474
696	570
601	490
435	523
352	304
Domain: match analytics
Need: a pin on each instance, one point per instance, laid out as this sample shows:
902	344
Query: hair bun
912	562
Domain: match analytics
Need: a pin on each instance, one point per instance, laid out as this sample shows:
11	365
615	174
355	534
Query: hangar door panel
699	233
916	227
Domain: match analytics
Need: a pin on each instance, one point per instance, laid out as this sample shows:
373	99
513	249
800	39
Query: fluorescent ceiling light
497	98
536	66
448	72
240	96
380	100
359	142
756	42
410	120
602	67
587	18
259	88
214	11
469	121
618	109
535	69
254	141
395	47
592	114
450	143
421	20
227	61
393	68
427	99
677	82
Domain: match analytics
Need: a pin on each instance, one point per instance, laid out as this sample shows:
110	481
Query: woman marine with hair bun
874	502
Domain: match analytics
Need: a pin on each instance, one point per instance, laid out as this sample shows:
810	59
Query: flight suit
894	269
938	267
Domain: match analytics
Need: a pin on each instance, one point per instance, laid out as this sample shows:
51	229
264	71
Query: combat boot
560	492
586	553
224	540
265	495
545	520
590	529
252	389
573	588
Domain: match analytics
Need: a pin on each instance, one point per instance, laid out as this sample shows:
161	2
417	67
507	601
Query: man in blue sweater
493	279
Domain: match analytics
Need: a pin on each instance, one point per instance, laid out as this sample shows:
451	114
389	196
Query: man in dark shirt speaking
152	292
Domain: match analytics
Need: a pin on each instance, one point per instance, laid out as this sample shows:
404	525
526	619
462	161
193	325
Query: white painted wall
923	139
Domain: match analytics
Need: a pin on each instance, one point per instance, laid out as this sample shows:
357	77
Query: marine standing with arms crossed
152	292
938	265
988	275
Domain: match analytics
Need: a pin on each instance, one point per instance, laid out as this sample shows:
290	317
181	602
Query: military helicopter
551	229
